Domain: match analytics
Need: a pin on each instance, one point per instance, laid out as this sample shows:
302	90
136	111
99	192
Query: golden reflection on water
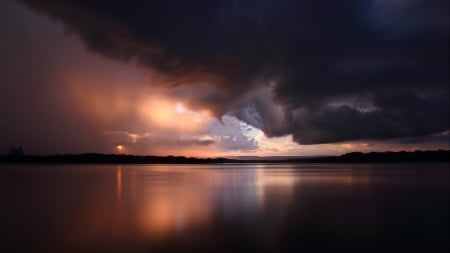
165	200
119	183
147	208
165	210
159	201
138	208
281	182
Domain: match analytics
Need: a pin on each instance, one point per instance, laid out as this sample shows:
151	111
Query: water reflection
119	183
263	208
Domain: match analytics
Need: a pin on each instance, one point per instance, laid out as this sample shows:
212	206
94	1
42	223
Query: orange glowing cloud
171	115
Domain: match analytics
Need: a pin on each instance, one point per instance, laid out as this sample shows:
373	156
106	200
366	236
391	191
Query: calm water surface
224	208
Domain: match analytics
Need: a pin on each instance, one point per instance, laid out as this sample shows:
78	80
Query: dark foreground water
224	208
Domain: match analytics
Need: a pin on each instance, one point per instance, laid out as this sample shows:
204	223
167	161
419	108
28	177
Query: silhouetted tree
16	152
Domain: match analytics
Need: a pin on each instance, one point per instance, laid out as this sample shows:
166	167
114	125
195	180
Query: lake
225	208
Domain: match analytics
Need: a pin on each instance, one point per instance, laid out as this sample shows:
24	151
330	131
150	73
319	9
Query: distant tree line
383	157
107	159
16	152
16	155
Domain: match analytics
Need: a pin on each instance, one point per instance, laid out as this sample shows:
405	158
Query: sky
225	77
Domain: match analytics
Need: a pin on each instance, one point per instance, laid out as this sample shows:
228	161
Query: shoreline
354	157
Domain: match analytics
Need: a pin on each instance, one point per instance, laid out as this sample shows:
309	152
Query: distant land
354	157
269	158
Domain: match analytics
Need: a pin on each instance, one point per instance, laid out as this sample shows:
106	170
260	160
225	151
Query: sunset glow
95	100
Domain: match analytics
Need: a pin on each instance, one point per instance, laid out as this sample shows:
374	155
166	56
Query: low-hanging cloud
325	72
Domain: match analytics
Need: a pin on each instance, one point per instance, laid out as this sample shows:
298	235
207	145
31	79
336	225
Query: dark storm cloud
340	70
394	115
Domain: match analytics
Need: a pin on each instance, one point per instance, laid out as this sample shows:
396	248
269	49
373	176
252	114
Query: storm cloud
324	71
